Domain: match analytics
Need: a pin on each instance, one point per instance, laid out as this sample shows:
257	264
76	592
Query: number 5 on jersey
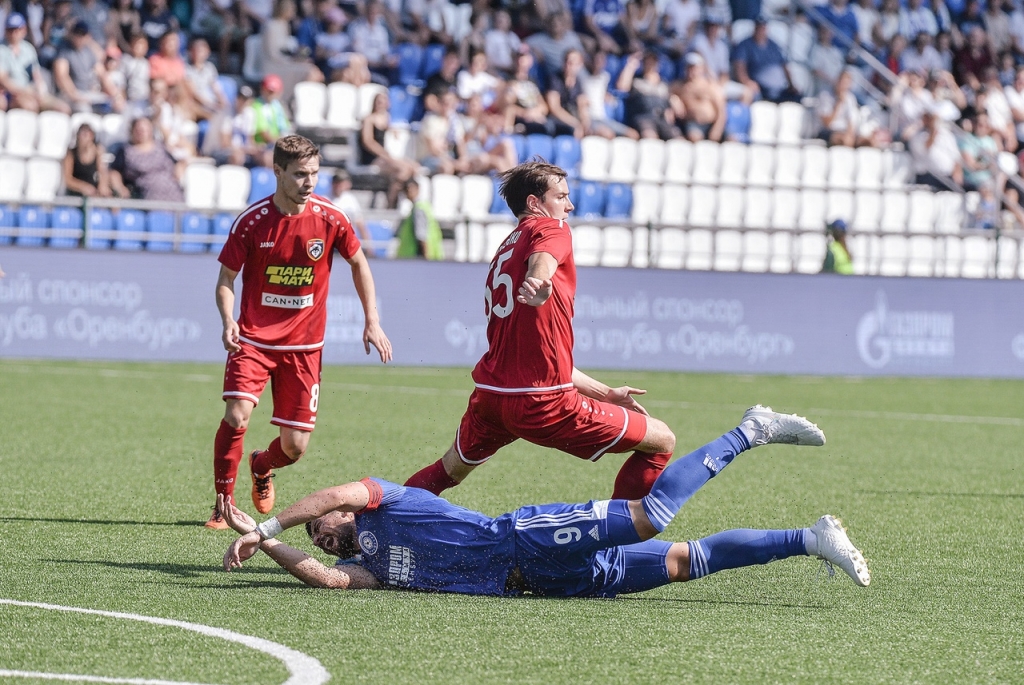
495	280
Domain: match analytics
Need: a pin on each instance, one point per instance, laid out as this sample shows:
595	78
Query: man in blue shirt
760	65
408	538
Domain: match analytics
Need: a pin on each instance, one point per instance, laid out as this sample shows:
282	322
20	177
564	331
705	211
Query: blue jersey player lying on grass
408	538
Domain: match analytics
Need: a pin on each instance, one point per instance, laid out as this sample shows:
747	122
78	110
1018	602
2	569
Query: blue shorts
565	550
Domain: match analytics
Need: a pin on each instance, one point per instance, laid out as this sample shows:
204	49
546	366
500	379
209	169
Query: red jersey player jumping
526	384
284	247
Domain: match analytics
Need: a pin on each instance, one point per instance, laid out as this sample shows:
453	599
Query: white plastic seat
788	163
699	247
839	205
951	216
114	129
801	41
810	252
586	245
791	123
79	118
760	165
757	208
447	194
952	255
894	256
978	256
1009	252
670	248
897	169
869	169
859	246
22	128
641	258
54	135
778	32
782	253
646	203
675	204
365	96
201	186
477	193
813	211
707	157
496	234
734	164
728	250
678	160
233	184
730	207
921	218
650	164
756	251
814	167
617	246
703	207
921	254
623	160
310	105
785	208
741	30
869	208
595	153
342	100
842	167
764	122
894	211
43	179
12	179
802	78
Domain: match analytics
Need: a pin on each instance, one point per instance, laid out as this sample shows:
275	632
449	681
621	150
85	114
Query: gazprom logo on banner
884	335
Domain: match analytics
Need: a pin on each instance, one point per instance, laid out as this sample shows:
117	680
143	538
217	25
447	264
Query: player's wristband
269	529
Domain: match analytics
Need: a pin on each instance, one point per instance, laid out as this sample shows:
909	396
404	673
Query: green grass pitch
105	476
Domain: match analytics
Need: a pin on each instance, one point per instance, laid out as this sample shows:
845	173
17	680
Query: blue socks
744	547
685	476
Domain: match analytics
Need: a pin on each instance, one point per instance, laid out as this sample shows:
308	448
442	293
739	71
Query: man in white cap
20	74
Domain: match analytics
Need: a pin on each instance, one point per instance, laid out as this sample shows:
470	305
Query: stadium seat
221	228
366	95
862	250
897	169
814	167
476	196
433	55
756	252
675	205
594	155
567	154
79	118
398	141
950	212
201	186
54	135
591	200
670	248
342	99
160	223
707	158
3	123
494	236
737	121
764	122
520	143
43	179
540	145
741	30
618	201
842	167
894	256
813	210
869	169
323	184
403	105
921	217
233	187
623	160
310	104
840	205
810	252
100	221
699	249
978	256
66	223
734	164
615	108
586	245
262	183
703	206
869	209
952	255
757	208
410	61
730	207
760	165
382	233
785	208
782	253
678	160
12	179
22	128
894	211
129	221
791	123
641	257
646	203
921	255
1008	257
728	250
650	163
616	246
32	221
229	86
498	204
196	225
778	32
114	129
801	40
788	164
445	196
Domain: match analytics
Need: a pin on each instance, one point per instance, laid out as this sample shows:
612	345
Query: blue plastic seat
498	204
31	217
410	62
221	228
230	88
618	201
591	200
567	154
194	224
8	219
615	108
129	220
737	121
540	145
263	183
380	232
100	219
323	185
433	55
666	68
160	223
403	105
520	143
66	223
613	65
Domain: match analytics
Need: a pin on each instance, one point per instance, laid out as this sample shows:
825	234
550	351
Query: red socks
271	458
227	453
638	474
433	478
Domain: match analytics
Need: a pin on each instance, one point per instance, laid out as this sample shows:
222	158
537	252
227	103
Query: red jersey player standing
526	384
284	247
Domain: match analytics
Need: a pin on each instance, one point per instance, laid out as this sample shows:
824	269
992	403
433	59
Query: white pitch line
303	669
74	678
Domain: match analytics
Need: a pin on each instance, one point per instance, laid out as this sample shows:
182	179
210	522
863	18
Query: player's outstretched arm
537	286
313	573
373	334
226	307
622	396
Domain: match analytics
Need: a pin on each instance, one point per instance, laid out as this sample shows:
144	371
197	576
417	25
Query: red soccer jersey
286	268
529	348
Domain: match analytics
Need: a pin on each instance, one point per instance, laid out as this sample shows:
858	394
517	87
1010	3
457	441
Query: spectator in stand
332	49
972	60
868	19
202	80
595	89
476	40
942	16
641	24
56	27
699	103
477	81
1015	99
888	22
80	76
35	14
373	153
85	169
1007	69
944	46
565	98
1016	26
174	118
166	63
20	73
712	44
840	114
279	56
235	144
909	99
936	156
761	66
992	100
551	45
370	38
94	13
947	98
997	27
679	26
826	61
894	54
649	108
441	142
134	68
979	150
971	18
986	214
122	23
524	104
346	200
443	81
157	20
602	19
264	120
220	22
843	18
143	169
313	22
922	56
915	18
501	45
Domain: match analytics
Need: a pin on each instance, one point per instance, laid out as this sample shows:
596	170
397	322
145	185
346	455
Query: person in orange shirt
166	63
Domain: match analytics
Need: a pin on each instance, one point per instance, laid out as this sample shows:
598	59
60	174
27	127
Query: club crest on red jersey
315	249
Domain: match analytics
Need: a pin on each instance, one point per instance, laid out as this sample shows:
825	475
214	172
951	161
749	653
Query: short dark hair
294	148
529	178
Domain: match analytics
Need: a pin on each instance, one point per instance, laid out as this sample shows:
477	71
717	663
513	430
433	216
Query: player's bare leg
648	460
227	452
283	451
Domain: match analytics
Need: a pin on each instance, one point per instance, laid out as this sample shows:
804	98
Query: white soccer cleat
835	549
773	428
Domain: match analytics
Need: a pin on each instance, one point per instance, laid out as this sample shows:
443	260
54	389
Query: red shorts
566	421
295	378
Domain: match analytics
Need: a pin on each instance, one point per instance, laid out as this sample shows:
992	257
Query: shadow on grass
923	493
102	522
751	603
176	570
